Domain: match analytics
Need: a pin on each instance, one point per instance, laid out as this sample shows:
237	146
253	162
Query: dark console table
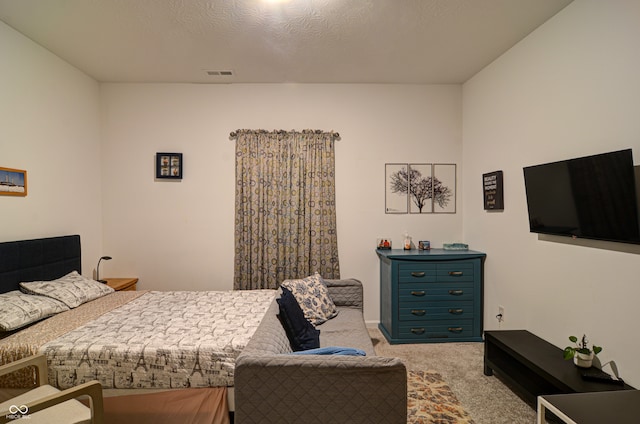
533	366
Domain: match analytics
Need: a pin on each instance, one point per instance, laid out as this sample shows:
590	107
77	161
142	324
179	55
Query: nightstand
122	284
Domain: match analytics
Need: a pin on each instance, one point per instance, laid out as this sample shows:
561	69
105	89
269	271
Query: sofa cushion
348	329
313	296
301	333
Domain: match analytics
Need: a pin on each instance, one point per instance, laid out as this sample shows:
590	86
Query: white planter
582	360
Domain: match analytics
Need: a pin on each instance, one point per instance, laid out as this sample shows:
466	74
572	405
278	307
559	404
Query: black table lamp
106	258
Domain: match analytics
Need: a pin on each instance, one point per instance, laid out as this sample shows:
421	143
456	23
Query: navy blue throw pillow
301	333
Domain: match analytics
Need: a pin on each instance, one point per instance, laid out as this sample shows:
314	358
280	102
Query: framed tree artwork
444	188
396	189
420	188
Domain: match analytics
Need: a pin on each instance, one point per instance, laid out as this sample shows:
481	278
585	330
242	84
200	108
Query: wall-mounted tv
590	197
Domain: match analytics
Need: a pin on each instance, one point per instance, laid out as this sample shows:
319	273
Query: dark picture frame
493	190
13	182
169	166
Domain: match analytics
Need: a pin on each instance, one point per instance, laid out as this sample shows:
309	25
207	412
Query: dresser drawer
455	271
418	272
435	272
444	329
436	310
419	292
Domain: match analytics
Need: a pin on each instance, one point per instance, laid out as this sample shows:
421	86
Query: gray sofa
273	386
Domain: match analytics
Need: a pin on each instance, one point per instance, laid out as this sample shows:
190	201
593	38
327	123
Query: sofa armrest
347	292
320	389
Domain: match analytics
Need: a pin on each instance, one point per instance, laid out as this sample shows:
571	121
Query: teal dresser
429	296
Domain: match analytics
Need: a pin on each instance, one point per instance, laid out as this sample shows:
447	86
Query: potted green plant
581	354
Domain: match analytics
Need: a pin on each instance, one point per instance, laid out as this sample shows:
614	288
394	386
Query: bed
132	342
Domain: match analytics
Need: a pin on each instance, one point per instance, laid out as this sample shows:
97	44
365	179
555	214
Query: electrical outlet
500	313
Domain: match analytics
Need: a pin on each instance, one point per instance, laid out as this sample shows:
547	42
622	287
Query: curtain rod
234	134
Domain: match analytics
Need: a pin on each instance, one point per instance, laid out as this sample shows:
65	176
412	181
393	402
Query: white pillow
313	297
73	289
18	309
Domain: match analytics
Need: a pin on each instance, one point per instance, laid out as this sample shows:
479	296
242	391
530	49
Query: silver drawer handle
456	311
418	312
456	292
418	293
456	273
455	329
417	330
417	274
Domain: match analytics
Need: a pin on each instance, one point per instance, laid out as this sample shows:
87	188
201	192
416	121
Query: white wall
179	235
50	127
569	89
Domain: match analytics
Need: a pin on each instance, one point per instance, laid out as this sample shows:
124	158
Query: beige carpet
486	399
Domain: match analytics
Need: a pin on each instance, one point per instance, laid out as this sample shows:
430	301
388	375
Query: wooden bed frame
38	259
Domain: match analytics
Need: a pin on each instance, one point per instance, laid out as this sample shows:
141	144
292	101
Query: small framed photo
383	244
169	166
13	182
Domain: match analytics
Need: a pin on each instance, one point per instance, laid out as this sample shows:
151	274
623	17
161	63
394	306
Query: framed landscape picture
13	182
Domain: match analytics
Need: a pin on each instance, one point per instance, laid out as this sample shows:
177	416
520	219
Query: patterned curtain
285	224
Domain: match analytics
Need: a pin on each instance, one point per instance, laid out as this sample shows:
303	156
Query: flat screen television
590	197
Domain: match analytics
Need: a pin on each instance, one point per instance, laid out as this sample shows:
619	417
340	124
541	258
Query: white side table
617	406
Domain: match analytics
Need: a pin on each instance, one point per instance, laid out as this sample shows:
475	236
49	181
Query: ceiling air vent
220	73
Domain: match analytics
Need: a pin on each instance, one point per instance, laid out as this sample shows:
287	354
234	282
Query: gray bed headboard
38	259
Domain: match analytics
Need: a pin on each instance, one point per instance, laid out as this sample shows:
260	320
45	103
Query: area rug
431	401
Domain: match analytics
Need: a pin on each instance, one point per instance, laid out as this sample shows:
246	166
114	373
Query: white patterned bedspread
161	340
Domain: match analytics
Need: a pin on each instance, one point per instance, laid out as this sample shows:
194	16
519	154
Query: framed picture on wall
492	184
444	188
13	182
169	166
396	196
420	188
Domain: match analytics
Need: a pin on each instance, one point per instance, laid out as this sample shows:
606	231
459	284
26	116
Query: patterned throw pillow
73	289
18	309
313	297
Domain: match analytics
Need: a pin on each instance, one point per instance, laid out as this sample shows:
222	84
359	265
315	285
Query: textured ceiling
303	41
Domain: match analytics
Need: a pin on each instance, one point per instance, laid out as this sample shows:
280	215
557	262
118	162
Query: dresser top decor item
455	246
384	243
